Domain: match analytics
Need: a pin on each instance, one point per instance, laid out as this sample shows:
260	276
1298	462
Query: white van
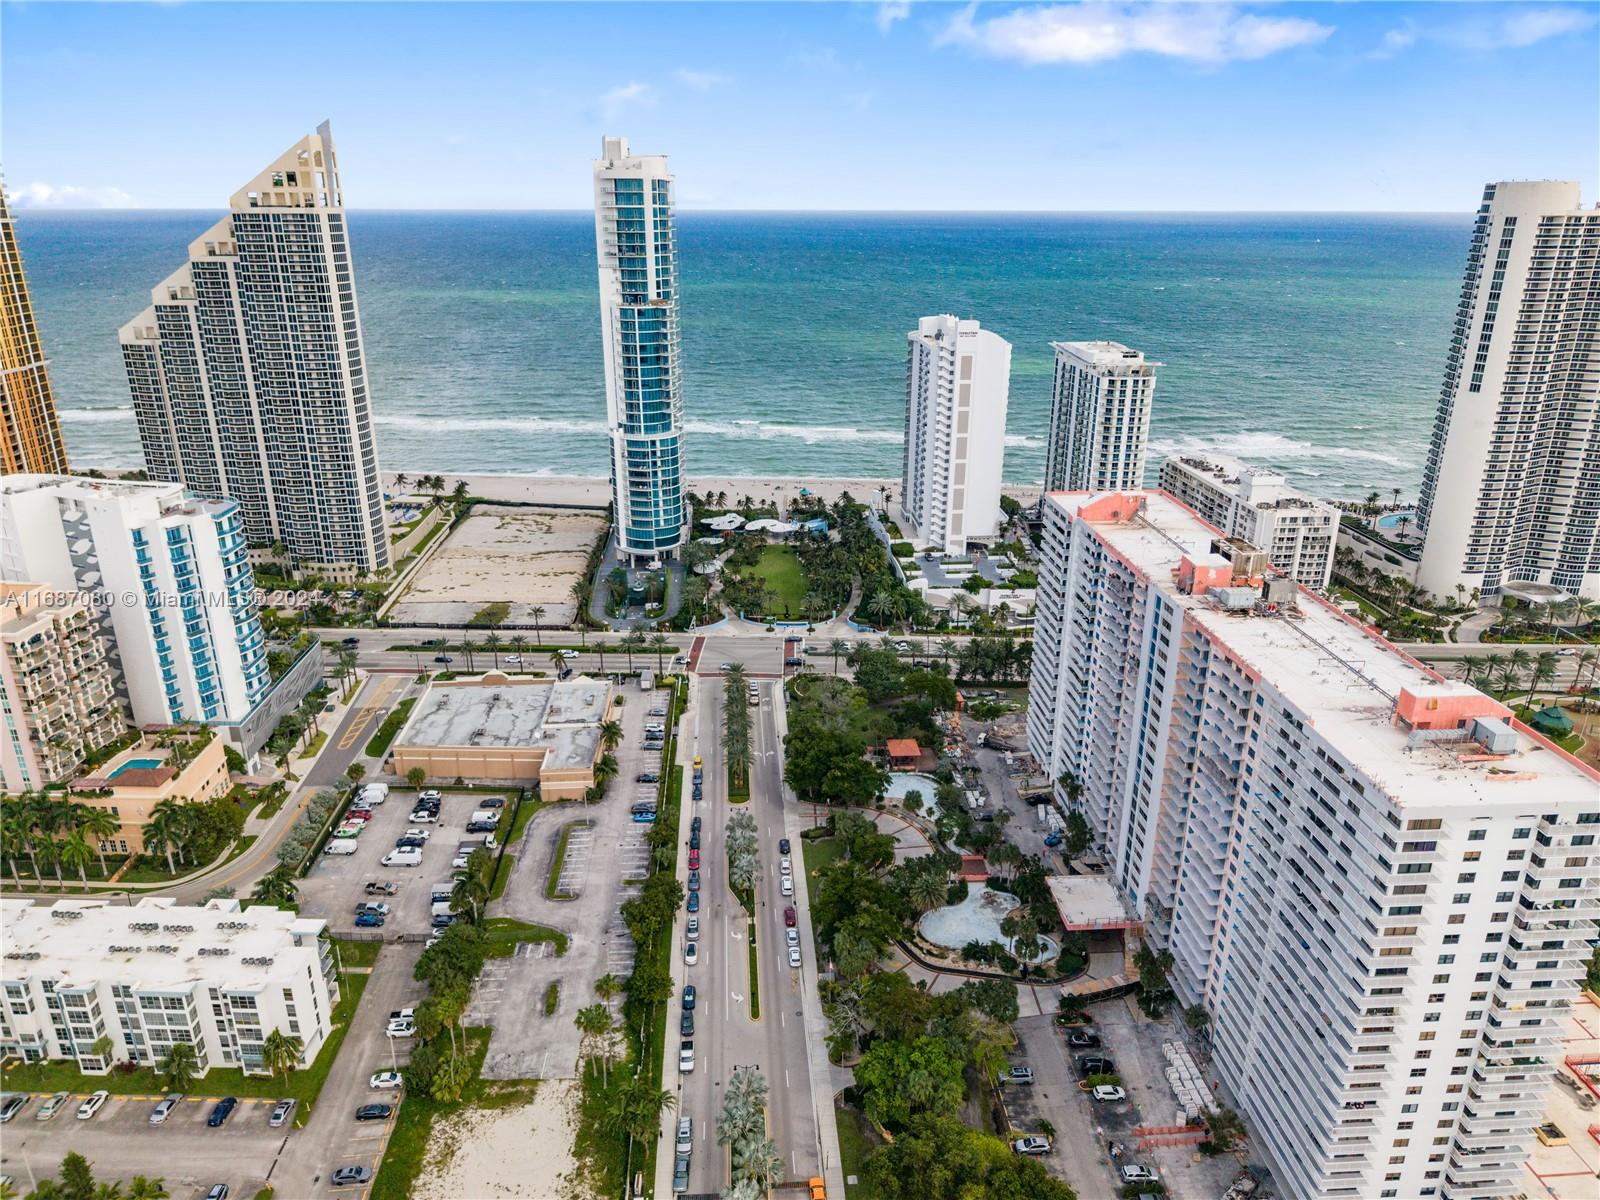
490	816
403	858
340	847
374	793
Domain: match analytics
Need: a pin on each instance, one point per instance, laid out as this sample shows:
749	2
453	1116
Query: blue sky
1060	107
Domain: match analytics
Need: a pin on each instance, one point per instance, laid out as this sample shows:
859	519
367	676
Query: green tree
277	887
280	1053
75	854
938	1158
99	824
355	772
180	1068
899	1080
416	777
77	1177
1224	1127
142	1187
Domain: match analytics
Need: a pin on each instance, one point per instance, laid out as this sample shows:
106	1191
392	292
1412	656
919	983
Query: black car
694	840
695	824
794	662
783	845
409	843
492	802
442	658
686	1024
646	777
483	826
222	1110
688	998
1080	1039
697	792
694	881
373	1112
350	641
1094	1064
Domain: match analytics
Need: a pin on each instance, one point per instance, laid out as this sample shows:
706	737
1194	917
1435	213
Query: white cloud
1394	41
68	195
1098	32
1525	26
628	95
1488	29
890	12
701	81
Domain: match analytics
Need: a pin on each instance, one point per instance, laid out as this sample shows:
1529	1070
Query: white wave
94	416
490	424
1272	448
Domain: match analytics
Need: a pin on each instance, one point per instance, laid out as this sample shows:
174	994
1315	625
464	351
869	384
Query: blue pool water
135	764
1392	520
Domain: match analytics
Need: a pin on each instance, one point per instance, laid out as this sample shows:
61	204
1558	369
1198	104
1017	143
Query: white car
784	868
794	936
692	930
794	956
691	953
685	1058
92	1105
423	817
513	660
1137	1173
1109	1094
385	1080
786	885
400	1029
569	654
424	834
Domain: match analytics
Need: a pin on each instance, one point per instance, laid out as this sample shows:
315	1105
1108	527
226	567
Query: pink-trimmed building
1378	884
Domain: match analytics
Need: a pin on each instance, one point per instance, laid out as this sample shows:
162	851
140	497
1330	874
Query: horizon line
827	212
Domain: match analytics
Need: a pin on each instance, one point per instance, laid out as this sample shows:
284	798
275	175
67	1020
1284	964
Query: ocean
1312	343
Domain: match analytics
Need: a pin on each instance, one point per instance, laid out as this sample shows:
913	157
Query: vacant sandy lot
521	1151
521	556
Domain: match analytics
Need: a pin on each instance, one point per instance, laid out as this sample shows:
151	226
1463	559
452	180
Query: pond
977	919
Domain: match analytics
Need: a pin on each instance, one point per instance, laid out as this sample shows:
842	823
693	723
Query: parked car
163	1110
646	777
699	793
219	1191
1017	1075
369	920
343	1176
680	1174
1137	1173
785	867
1108	1094
220	1112
10	1106
1082	1038
793	936
400	1029
373	906
423	834
786	885
794	662
794	956
280	1113
694	839
692	929
691	953
410	857
382	887
1033	1144
783	845
373	1112
409	1013
685	1057
337	848
385	1080
685	1140
695	824
409	843
694	858
52	1106
686	1025
1094	1064
688	998
789	916
693	904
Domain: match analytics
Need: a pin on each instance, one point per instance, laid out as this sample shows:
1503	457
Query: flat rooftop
1340	675
154	944
1567	1172
1088	902
1107	355
499	711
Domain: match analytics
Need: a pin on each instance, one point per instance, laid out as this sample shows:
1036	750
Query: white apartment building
57	688
1099	417
1379	885
218	977
637	248
1511	492
168	577
249	377
1297	533
958	378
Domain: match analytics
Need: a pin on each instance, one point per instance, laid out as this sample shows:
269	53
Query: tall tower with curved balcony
637	248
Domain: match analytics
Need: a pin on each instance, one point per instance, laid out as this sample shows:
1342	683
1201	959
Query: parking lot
120	1142
602	866
336	884
1085	1129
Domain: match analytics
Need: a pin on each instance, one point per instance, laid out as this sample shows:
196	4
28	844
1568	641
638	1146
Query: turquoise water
136	764
1392	520
1311	343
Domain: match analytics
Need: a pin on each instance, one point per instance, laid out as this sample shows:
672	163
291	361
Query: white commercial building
147	977
1511	492
248	375
1099	417
167	576
637	247
1296	532
958	377
1378	884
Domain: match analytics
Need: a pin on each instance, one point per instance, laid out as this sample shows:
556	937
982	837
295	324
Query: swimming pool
1392	520
136	764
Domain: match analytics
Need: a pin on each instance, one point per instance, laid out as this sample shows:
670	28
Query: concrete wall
249	735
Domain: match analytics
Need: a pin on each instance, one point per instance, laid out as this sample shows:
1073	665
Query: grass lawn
304	1086
154	870
316	744
755	977
780	570
856	1141
505	932
358	954
819	852
509	836
378	744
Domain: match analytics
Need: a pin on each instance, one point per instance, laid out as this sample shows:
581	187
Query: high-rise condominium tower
1379	886
1511	493
957	380
638	252
1099	417
30	434
248	375
167	577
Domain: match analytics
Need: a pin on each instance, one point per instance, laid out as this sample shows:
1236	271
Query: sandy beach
522	1151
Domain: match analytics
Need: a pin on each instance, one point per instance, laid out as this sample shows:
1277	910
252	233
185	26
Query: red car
694	860
788	917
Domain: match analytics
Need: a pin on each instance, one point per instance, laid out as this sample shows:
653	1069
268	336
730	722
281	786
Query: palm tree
161	832
99	824
74	854
109	1191
608	987
630	643
459	492
881	605
927	890
400	481
277	886
558	661
1372	502
144	1188
179	1068
605	771
537	612
660	644
837	647
469	893
492	640
280	1053
1544	670
600	648
611	733
948	649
